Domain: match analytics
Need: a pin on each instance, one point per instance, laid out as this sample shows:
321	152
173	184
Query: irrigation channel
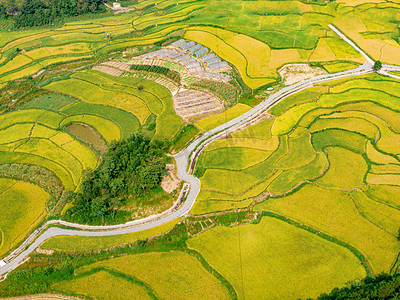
185	161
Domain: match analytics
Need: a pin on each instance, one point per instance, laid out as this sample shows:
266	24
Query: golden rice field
171	275
20	211
322	153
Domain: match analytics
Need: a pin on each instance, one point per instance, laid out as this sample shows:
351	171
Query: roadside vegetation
130	168
309	195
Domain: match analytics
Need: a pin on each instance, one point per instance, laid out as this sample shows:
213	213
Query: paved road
182	159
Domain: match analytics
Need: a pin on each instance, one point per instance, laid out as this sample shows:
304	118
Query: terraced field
320	175
315	163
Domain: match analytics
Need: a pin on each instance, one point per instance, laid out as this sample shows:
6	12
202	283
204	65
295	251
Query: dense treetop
130	168
42	12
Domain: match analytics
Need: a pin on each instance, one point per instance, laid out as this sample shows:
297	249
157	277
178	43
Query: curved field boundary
357	253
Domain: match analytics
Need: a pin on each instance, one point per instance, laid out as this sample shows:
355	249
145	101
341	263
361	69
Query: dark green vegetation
377	65
37	13
382	287
40	274
173	75
130	168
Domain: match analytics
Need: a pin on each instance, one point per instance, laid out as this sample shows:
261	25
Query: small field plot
335	213
103	285
20	211
275	260
171	275
216	120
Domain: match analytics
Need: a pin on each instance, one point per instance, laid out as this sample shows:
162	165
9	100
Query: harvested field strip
61	172
20	211
77	244
170	274
212	206
274	251
108	129
334	213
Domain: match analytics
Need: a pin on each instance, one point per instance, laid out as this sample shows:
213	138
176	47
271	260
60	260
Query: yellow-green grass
308	95
212	206
355	124
226	181
157	98
378	213
63	173
383	112
171	275
49	150
48	118
127	122
211	122
346	170
74	244
373	82
275	260
15	133
30	56
340	67
20	211
337	137
300	151
251	143
385	169
287	121
390	179
334	213
384	193
292	178
30	70
387	140
92	93
261	131
252	61
108	129
42	131
232	158
102	285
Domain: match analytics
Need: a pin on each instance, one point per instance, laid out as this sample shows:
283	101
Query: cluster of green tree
130	168
43	12
173	75
382	287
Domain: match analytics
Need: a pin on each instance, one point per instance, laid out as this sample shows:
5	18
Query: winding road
184	169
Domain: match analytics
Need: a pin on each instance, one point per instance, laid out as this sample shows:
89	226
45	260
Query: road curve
183	158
